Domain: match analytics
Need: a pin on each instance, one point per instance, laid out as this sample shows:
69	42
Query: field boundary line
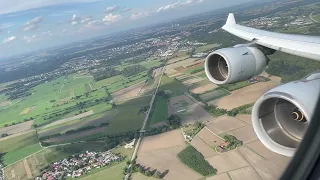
196	135
214	133
260	154
250	164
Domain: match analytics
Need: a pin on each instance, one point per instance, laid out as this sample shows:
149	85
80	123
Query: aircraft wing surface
299	45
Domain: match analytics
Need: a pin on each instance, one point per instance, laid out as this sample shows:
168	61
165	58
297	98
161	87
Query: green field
195	160
129	118
316	17
18	142
202	75
44	97
212	95
160	112
206	48
195	70
20	153
235	86
114	172
123	151
174	86
139	176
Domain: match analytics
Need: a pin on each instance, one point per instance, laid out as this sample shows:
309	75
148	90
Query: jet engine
230	65
281	116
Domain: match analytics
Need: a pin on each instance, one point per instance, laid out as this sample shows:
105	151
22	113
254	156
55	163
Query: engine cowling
230	65
281	116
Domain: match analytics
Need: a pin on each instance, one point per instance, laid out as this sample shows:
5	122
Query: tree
157	174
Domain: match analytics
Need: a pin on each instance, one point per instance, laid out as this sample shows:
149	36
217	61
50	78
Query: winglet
231	20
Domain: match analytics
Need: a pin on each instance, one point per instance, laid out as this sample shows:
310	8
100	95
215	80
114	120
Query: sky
28	25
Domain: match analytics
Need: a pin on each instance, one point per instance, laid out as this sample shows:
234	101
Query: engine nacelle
281	116
230	65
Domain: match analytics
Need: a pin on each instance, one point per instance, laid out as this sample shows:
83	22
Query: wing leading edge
299	45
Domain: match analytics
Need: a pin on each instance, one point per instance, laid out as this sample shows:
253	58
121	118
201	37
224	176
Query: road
311	18
142	129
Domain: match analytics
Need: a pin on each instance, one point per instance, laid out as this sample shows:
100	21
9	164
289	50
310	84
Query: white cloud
177	4
8	39
169	6
9	6
111	9
32	24
126	9
47	33
110	18
75	20
6	25
29	39
86	20
139	15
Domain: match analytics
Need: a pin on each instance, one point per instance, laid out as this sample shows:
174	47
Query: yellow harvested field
247	173
17	128
173	60
162	141
128	93
223	176
203	148
25	111
267	171
243	96
166	159
249	155
245	117
271	77
210	138
205	88
27	168
160	152
245	134
224	124
191	81
277	159
228	161
176	64
16	171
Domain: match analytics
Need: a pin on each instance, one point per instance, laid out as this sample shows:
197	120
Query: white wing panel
299	45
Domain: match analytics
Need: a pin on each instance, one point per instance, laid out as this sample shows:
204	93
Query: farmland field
129	117
17	142
174	86
20	153
161	111
216	94
206	48
235	86
114	172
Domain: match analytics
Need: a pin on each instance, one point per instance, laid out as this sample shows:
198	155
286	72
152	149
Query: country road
311	18
142	129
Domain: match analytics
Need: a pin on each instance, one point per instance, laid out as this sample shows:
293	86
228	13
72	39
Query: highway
145	122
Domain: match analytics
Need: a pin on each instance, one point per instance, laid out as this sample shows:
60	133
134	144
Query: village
79	164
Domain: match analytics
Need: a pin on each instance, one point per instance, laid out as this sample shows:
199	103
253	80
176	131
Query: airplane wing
299	45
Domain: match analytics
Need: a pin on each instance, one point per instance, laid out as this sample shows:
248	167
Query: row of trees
106	73
132	70
234	142
147	171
